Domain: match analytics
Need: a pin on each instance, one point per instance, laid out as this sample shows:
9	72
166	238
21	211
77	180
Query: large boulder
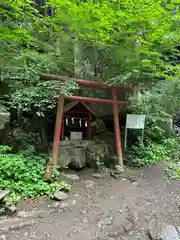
97	154
78	157
72	154
109	139
4	122
64	157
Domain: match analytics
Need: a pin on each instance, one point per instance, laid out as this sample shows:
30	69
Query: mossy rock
4	122
72	156
4	117
64	157
98	154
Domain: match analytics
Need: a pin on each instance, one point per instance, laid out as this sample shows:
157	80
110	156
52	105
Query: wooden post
117	128
62	129
89	126
125	139
57	131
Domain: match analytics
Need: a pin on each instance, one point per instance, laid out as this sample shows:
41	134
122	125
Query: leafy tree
129	38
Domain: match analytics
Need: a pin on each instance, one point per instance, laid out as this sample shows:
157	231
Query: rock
113	234
3	194
128	226
90	184
139	235
4	122
78	158
108	138
163	231
4	117
97	154
2	211
14	224
72	153
114	175
56	205
133	218
119	169
3	237
27	214
123	179
106	221
120	211
72	156
60	196
133	178
11	209
73	202
33	235
71	177
101	238
64	157
43	214
96	175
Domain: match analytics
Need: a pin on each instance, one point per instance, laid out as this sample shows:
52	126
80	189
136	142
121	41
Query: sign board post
134	121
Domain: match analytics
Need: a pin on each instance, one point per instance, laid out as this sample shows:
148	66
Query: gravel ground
105	208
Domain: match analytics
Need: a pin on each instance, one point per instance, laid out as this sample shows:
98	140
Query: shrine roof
74	104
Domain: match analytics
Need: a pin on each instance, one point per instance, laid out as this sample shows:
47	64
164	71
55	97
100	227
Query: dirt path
106	208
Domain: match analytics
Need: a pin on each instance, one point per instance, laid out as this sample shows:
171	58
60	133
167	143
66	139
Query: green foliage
173	171
159	104
41	97
129	37
26	49
23	175
4	149
99	126
151	152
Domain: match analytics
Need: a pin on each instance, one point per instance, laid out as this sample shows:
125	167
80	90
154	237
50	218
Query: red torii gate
90	84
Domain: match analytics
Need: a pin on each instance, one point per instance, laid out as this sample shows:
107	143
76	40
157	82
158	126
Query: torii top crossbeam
88	83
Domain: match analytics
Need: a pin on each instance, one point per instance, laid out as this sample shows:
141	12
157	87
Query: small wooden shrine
76	122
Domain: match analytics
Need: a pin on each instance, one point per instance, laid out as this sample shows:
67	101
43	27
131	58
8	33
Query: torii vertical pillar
117	127
57	131
62	129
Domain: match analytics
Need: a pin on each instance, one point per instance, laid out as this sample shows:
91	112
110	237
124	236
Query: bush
23	175
173	171
151	152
